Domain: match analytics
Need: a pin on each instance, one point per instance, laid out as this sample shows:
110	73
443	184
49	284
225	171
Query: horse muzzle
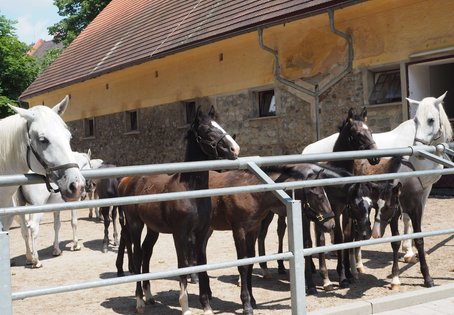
71	184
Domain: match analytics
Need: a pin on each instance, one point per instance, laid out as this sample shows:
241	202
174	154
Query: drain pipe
317	90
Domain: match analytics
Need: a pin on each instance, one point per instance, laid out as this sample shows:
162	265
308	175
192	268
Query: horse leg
75	246
205	294
26	237
347	253
147	248
135	231
320	241
281	227
395	282
359	260
307	243
34	231
407	245
239	236
57	225
105	242
339	239
261	243
419	243
181	245
250	243
114	224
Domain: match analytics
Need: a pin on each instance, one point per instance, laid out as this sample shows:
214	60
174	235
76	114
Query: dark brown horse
187	220
408	195
243	213
347	199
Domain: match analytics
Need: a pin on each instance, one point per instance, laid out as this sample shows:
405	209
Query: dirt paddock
273	296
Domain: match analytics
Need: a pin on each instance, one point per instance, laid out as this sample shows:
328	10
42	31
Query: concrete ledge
389	303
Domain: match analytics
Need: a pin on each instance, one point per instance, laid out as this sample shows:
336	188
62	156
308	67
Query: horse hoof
76	248
104	250
311	291
253	303
282	271
187	313
208	312
360	270
56	253
344	284
328	288
150	301
248	312
120	273
266	274
429	284
37	265
410	259
140	310
395	287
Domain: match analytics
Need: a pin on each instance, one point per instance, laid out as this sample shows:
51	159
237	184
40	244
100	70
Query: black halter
314	215
49	170
209	147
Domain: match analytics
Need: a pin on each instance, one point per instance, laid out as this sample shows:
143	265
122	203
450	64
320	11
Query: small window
190	111
132	123
89	127
386	88
267	103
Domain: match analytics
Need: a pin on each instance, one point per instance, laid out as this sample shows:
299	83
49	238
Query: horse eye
430	121
43	140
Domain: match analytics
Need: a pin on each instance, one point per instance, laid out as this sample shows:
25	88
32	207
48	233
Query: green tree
17	69
78	14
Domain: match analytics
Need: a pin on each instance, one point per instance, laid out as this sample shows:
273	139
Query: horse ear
61	107
24	113
351	113
319	173
89	153
364	113
413	101
441	98
212	112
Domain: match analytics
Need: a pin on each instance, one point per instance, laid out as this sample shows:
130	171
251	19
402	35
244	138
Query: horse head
48	148
359	205
388	205
317	205
212	139
354	134
432	123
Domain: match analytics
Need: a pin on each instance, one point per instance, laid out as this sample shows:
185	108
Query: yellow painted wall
384	31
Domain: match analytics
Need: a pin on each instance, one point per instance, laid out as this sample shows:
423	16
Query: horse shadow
43	253
166	303
97	245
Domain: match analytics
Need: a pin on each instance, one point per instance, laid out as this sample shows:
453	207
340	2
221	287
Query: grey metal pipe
241	163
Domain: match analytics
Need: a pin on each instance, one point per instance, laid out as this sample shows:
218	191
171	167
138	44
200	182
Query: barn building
280	74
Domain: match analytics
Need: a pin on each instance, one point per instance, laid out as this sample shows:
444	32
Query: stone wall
160	138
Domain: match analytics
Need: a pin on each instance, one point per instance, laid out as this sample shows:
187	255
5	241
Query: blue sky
33	17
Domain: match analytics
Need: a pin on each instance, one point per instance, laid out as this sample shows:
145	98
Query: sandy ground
273	296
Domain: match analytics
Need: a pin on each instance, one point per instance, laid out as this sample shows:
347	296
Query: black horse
188	220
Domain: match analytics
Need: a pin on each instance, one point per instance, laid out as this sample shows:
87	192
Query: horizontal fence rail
251	163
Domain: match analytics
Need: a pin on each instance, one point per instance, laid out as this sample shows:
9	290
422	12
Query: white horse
37	139
430	126
39	195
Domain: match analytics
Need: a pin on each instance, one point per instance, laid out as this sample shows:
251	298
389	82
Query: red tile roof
127	33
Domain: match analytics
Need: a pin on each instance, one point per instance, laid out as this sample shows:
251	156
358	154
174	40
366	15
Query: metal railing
296	253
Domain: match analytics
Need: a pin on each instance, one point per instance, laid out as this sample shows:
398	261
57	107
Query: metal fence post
295	242
6	305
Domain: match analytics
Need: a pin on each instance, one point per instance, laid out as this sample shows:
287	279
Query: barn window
89	127
267	103
386	88
190	111
132	121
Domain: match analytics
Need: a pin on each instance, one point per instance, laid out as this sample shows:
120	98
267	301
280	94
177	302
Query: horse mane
13	151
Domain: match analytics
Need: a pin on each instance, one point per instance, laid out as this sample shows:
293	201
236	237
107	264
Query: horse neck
342	145
198	179
13	145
